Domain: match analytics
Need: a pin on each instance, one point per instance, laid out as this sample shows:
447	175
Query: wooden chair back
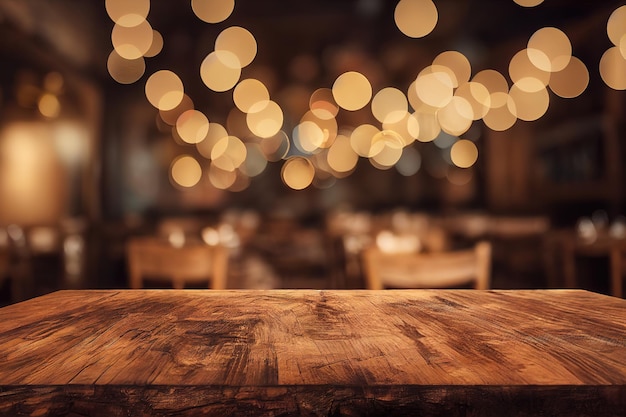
191	263
428	270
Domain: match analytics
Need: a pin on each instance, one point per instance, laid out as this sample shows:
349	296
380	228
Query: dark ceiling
75	35
79	31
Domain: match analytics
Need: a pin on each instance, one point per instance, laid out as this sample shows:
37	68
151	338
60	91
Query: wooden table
314	353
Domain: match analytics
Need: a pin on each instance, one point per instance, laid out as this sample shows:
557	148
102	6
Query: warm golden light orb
572	81
127	13
49	105
341	157
549	49
408	128
322	104
220	70
297	173
125	71
530	104
616	25
458	64
613	69
250	94
164	90
416	18
434	86
185	171
389	105
170	116
229	153
213	11
496	84
352	91
267	122
521	69
132	42
362	140
502	117
429	127
327	126
456	117
477	96
215	133
464	153
192	126
240	42
221	179
387	157
528	3
156	46
308	136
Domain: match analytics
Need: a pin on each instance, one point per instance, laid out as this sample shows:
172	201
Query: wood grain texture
314	353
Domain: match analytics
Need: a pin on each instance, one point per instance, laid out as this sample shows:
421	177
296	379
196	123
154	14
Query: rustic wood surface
314	353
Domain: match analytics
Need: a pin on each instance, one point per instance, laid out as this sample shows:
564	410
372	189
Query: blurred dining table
314	353
565	247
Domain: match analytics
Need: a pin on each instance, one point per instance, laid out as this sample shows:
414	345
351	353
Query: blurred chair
618	269
157	259
428	269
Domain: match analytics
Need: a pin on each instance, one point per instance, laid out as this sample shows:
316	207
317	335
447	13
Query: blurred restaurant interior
269	144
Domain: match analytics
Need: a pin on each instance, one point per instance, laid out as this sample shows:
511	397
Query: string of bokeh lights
443	101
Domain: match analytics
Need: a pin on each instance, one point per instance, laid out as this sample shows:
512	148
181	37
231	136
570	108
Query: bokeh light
164	90
439	105
464	153
322	103
192	126
522	72
458	64
229	153
49	105
238	41
220	70
297	172
528	3
171	116
549	49
362	140
616	25
250	95
389	105
434	86
456	117
216	133
571	81
529	105
341	157
416	18
213	11
125	71
502	117
132	42
186	171
267	122
352	91
127	13
613	68
156	46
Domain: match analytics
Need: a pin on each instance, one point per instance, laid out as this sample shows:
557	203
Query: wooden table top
309	352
